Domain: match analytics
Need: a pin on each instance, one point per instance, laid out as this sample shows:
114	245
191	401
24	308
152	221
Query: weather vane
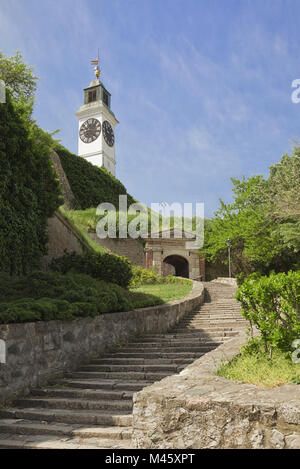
95	63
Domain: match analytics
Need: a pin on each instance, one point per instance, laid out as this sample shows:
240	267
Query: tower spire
97	70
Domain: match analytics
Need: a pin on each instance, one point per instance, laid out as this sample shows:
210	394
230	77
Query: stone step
211	337
73	403
172	344
220	323
207	330
157	355
49	442
32	427
215	314
192	348
199	336
127	386
86	417
140	361
82	393
125	368
209	321
129	376
215	308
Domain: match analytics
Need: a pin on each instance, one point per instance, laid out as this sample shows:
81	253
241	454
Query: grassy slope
166	292
87	220
259	369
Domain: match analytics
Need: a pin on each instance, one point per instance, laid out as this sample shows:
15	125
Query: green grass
256	367
165	291
87	220
81	228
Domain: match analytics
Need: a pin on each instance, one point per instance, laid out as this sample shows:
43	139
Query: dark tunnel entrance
176	265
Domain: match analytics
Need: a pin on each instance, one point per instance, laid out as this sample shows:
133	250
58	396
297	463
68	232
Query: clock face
90	130
108	133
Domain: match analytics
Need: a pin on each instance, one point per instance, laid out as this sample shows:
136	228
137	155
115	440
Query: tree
18	76
262	222
282	194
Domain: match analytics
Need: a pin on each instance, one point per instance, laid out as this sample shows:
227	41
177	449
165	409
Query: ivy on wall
90	185
29	190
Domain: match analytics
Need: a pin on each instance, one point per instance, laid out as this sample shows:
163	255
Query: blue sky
202	89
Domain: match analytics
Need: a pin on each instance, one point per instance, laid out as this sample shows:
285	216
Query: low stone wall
37	352
197	409
226	281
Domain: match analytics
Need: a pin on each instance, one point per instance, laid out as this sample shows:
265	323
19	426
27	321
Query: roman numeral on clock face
90	130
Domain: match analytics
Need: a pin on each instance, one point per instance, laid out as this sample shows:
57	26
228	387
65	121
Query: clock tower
96	138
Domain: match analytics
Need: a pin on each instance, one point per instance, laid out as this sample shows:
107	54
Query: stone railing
36	352
227	281
197	409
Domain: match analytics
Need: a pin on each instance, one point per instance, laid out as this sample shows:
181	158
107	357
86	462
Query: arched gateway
174	255
175	265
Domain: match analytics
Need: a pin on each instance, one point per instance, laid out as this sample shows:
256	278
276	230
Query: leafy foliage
44	296
17	76
29	190
143	276
102	266
272	304
263	222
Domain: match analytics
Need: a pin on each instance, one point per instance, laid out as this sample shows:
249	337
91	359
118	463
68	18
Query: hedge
103	266
90	185
45	296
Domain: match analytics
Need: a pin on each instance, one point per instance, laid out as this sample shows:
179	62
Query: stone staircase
91	407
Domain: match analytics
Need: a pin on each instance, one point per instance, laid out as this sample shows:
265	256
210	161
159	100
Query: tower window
92	96
105	98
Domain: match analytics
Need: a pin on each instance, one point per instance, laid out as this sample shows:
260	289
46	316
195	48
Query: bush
44	296
103	266
90	185
141	276
272	304
150	276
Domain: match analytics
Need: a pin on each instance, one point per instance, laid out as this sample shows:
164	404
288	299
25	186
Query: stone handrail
197	409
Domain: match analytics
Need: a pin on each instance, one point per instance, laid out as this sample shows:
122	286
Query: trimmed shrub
42	296
90	185
103	266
